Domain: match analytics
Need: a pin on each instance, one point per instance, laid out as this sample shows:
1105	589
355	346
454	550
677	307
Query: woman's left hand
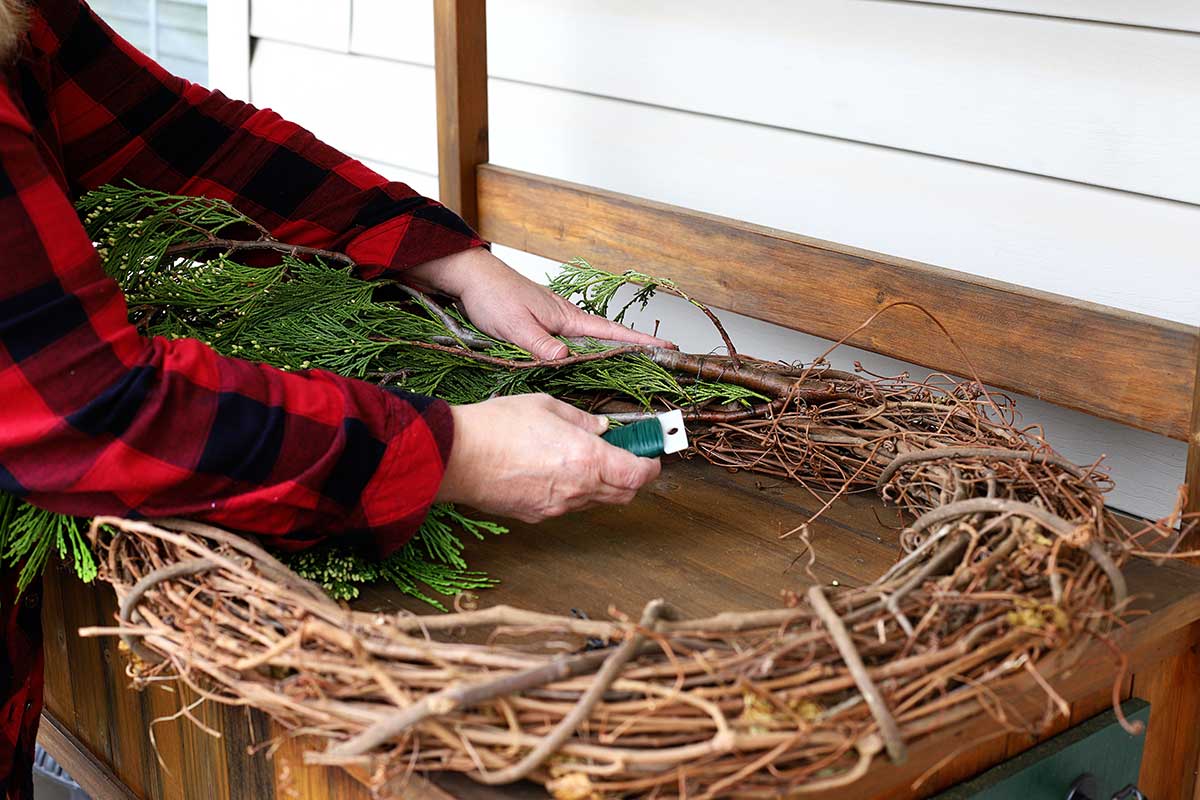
504	303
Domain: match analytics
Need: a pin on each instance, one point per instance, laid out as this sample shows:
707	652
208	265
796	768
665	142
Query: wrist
453	486
452	274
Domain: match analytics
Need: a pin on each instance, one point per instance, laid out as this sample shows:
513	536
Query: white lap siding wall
171	31
1049	143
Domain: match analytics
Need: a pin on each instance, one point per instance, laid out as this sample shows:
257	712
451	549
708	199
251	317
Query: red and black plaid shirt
96	419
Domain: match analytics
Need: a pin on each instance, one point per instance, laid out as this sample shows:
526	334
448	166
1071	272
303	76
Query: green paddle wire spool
650	438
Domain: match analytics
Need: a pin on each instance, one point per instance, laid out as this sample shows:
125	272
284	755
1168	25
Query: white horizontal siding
712	109
1010	90
175	34
385	110
319	23
1025	229
1181	15
173	13
397	29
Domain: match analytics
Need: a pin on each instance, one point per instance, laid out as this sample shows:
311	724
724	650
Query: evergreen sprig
594	289
193	268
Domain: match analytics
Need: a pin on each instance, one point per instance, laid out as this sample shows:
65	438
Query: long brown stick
888	729
242	245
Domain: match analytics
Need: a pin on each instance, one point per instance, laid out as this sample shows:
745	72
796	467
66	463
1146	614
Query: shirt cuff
431	232
397	498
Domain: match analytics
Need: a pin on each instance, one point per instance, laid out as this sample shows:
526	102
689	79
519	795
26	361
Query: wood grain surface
1193	453
1114	364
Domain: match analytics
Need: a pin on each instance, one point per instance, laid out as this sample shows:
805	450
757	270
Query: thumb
542	345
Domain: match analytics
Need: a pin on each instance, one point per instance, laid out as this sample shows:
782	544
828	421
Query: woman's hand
507	305
532	457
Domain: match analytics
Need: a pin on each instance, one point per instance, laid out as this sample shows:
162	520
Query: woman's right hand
532	457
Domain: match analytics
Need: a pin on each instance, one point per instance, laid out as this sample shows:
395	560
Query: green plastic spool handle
643	438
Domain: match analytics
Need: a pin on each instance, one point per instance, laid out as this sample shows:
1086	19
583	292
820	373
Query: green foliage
433	558
594	289
30	535
299	313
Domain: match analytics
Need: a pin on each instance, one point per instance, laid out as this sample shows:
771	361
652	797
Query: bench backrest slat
1114	364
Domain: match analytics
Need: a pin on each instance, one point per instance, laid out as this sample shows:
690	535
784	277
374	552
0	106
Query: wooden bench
702	537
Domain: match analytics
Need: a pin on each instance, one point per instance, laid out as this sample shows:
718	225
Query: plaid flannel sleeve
100	420
122	117
21	678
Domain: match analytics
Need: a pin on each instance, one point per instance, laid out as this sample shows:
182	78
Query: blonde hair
13	18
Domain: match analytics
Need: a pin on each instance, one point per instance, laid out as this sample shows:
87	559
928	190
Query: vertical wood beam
1193	453
1172	745
460	60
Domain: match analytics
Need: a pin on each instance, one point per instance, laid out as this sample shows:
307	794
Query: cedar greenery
198	268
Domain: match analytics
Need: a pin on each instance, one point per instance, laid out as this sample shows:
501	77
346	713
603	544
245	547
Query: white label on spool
674	434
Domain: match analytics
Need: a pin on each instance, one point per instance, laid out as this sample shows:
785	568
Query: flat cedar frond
594	289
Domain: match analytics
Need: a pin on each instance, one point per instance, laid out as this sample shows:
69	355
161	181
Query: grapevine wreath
1009	553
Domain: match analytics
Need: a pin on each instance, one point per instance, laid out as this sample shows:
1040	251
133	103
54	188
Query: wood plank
1079	355
89	687
56	675
1099	746
125	712
204	761
294	778
1172	687
89	771
1192	503
460	45
160	702
705	538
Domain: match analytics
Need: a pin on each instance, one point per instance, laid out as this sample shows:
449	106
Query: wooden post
460	57
1193	453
